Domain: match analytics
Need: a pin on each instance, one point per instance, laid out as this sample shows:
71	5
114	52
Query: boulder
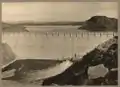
97	71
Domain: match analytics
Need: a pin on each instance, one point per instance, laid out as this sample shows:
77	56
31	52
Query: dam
37	53
53	45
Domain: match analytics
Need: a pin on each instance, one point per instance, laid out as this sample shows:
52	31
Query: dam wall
53	44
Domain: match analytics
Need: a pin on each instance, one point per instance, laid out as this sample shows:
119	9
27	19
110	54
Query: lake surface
52	28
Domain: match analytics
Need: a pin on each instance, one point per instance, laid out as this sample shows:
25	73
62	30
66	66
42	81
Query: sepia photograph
59	44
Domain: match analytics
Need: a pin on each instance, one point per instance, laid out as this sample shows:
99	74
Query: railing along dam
54	44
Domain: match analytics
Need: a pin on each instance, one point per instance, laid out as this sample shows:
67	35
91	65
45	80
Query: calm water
67	28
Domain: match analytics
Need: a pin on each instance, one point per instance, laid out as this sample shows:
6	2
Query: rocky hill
103	59
100	23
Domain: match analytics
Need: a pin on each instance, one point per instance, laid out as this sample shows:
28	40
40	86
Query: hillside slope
77	74
7	53
100	23
13	28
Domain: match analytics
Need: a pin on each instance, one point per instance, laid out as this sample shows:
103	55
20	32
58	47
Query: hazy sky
56	11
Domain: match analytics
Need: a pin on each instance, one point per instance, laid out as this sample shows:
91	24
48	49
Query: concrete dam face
53	45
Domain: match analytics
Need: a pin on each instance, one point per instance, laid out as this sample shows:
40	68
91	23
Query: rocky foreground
98	67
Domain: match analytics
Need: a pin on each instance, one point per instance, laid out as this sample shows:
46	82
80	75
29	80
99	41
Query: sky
56	11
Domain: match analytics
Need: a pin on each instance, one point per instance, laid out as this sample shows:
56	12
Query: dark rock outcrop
77	74
100	23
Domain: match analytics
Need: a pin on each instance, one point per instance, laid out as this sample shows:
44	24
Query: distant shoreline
48	23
